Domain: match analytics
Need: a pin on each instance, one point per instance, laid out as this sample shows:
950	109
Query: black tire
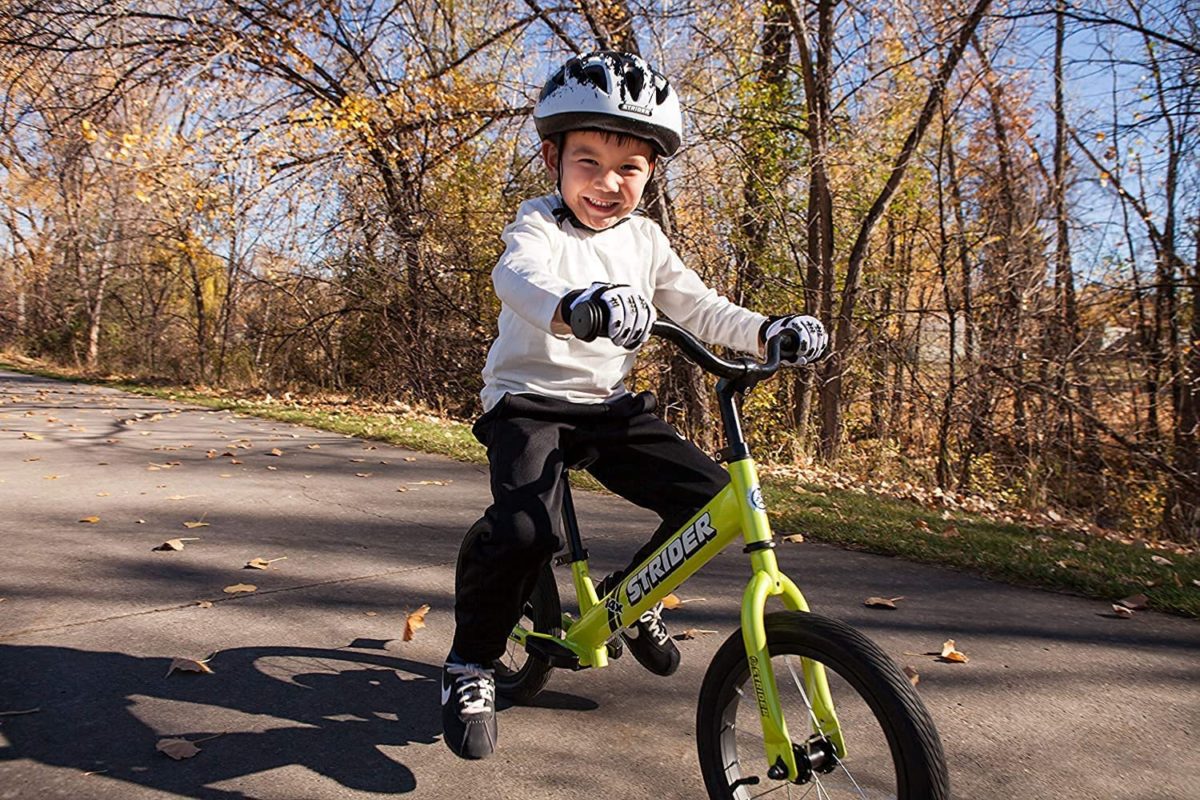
894	750
520	676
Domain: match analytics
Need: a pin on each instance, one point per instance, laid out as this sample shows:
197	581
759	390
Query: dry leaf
414	622
671	601
692	633
1162	562
372	613
176	544
363	474
101	494
949	532
409	458
262	563
921	524
313	446
234	461
795	538
914	677
189	665
195	524
35	436
204	603
211	454
274	451
272	467
949	653
357	460
401	488
177	748
1122	611
881	602
238	588
1135	602
49	477
92	520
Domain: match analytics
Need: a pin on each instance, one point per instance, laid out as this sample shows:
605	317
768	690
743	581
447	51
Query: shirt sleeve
522	277
681	294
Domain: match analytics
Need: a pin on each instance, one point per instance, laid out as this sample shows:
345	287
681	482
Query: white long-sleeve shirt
543	261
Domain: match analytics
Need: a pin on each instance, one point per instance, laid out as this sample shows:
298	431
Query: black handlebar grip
588	320
789	346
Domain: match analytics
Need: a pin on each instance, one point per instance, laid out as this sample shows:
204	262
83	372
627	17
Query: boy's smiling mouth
602	205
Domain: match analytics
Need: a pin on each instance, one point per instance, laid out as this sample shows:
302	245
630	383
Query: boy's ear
550	157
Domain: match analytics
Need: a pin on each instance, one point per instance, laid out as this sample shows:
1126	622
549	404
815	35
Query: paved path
315	695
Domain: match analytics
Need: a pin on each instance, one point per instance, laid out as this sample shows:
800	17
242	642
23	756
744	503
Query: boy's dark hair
620	137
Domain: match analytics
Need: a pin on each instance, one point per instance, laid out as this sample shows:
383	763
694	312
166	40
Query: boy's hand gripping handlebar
589	319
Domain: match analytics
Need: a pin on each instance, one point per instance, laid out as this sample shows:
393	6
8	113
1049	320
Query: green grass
1049	559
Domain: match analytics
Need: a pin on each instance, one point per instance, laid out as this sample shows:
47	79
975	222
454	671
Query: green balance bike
792	701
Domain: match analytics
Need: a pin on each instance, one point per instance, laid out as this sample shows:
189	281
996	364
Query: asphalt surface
315	695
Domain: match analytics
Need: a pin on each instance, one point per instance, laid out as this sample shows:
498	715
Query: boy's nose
610	181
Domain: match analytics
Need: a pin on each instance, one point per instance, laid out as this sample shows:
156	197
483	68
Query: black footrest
553	653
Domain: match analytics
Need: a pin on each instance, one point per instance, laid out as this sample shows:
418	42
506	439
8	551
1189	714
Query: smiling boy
605	119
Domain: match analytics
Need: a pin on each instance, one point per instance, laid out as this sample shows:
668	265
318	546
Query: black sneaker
650	643
468	709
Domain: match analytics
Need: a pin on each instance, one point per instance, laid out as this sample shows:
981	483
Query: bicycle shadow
335	712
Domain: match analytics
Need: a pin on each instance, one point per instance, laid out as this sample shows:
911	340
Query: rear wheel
893	748
521	676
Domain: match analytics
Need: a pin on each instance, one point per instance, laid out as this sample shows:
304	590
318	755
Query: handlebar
589	319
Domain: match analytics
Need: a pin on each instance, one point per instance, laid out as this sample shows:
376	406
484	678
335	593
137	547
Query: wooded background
993	207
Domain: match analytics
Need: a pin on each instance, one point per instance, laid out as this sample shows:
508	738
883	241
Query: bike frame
737	510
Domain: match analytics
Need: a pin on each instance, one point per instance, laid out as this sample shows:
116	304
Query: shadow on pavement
334	712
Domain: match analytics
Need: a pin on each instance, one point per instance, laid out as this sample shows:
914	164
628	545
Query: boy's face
602	178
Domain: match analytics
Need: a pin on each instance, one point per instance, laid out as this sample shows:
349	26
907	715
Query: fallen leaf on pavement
35	436
1136	602
204	603
176	544
363	474
274	451
692	633
414	622
1122	611
239	588
401	488
949	653
195	523
313	446
409	458
189	665
92	520
177	748
881	602
262	563
795	538
914	677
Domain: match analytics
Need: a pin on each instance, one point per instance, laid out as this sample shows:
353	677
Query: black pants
529	438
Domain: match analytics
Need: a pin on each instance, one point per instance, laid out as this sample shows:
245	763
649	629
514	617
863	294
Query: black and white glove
630	315
811	334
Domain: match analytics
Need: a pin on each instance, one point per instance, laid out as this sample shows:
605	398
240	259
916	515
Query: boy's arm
681	294
523	278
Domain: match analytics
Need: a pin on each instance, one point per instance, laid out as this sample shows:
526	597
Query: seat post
575	548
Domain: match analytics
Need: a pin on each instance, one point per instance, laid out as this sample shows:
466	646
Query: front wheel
521	676
893	750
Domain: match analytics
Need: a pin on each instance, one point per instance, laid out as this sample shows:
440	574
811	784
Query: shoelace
475	686
652	619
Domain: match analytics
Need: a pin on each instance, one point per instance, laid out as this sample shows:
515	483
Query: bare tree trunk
833	369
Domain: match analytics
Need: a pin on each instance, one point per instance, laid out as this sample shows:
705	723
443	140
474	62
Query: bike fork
781	753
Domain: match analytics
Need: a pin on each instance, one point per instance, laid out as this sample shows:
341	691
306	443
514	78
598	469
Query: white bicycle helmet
611	91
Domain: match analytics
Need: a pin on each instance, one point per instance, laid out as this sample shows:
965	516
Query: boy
604	119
